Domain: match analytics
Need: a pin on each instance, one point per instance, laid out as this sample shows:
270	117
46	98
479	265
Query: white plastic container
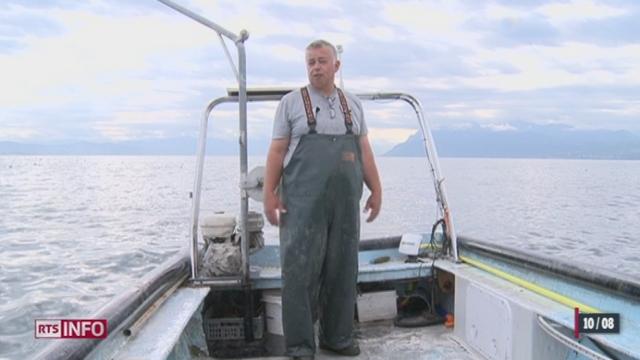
273	311
380	305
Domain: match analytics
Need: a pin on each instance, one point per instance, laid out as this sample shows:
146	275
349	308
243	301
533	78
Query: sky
109	71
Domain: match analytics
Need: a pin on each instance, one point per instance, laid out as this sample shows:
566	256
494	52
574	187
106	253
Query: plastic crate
231	328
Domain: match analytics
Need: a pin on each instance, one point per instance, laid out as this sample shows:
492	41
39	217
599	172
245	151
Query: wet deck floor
381	340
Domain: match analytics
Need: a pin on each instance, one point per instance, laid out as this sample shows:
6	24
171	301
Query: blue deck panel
266	267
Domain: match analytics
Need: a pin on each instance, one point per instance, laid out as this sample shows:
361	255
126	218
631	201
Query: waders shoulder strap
345	111
311	119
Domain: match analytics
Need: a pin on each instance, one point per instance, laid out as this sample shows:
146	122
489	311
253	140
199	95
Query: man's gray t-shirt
291	118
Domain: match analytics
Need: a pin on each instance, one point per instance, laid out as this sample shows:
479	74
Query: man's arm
371	179
273	172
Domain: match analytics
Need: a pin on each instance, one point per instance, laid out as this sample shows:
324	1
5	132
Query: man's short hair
323	43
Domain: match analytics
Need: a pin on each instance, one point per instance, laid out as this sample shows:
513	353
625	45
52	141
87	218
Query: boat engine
222	241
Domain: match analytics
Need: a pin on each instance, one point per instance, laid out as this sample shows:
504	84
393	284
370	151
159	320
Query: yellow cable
428	245
531	286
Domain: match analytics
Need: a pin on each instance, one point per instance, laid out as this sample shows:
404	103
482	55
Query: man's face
321	67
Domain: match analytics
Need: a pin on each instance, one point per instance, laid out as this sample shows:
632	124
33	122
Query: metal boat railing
568	342
275	95
432	158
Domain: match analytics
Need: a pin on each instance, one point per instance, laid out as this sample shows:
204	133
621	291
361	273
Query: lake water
76	230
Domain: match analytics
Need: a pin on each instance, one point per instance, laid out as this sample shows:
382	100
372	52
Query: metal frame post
244	197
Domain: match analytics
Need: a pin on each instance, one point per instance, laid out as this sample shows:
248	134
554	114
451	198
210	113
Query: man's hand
273	208
371	178
272	173
374	202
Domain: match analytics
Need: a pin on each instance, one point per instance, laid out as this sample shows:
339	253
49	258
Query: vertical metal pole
432	153
244	198
432	157
197	186
340	49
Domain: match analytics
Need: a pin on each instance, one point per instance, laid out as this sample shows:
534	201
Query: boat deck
382	340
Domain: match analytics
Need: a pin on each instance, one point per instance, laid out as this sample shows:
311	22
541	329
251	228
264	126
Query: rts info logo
71	329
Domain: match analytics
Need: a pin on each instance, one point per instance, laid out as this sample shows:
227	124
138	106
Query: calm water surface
74	231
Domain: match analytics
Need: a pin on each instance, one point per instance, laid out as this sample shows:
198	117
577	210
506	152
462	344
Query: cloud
466	112
17	133
253	16
7	46
431	24
630	108
432	18
380	33
609	32
500	127
511	32
42	4
390	136
342	24
92	49
494	11
542	67
17	22
286	53
368	84
578	11
145	123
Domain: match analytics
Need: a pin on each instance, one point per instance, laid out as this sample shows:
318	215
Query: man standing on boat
320	155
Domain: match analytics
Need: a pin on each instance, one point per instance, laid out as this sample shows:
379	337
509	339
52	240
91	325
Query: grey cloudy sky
120	70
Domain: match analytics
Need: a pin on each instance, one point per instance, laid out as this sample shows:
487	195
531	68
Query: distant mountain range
526	141
522	140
